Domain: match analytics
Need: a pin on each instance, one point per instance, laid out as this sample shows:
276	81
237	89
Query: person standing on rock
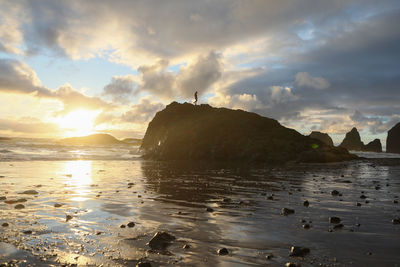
195	98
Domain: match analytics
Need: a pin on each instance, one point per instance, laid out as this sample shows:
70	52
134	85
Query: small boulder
286	211
208	209
5	224
3	198
223	251
19	206
292	264
298	251
131	224
161	240
396	221
306	203
68	217
186	246
334	220
143	263
57	205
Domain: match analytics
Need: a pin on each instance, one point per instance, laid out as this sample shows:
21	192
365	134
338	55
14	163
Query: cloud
18	78
303	79
121	88
28	126
142	112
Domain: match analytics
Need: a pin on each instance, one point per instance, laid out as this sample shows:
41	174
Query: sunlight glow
78	123
78	176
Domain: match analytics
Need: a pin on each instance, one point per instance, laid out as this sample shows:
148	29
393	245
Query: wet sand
244	213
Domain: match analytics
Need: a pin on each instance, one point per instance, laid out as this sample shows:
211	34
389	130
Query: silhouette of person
195	98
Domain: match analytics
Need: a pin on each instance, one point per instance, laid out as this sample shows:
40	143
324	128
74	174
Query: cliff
188	132
393	139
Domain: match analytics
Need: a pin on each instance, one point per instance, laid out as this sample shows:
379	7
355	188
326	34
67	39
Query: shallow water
174	197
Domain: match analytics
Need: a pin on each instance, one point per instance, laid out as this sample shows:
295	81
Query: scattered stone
186	246
19	206
338	226
57	205
286	211
292	264
395	201
28	232
3	198
396	221
130	184
160	241
143	263
298	251
223	251
306	203
131	224
30	192
334	220
306	226
363	197
209	209
68	217
269	256
270	198
358	204
5	224
335	193
122	226
13	201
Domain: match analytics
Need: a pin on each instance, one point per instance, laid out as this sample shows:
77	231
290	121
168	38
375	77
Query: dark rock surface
188	132
393	139
373	146
161	240
94	139
323	137
352	141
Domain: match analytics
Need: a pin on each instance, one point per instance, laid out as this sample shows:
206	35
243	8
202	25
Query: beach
73	211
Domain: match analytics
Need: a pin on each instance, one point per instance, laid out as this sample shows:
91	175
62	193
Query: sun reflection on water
78	176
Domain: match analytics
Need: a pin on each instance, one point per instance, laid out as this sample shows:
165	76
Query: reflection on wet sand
116	207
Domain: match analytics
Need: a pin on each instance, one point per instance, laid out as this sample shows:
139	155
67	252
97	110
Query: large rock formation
373	146
94	139
188	132
393	139
323	137
352	141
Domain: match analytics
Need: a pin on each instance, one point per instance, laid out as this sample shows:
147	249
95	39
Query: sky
71	68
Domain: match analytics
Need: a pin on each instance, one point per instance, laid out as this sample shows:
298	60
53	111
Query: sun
78	122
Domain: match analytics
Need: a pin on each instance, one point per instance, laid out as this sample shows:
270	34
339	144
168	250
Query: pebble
396	221
269	256
57	205
358	204
28	232
5	224
286	211
131	224
223	251
161	240
209	209
292	264
30	192
122	226
19	206
306	203
298	251
270	198
363	197
68	217
306	226
334	220
186	246
334	193
395	201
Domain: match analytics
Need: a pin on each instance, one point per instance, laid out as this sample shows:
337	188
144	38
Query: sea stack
190	132
373	146
352	141
393	139
323	137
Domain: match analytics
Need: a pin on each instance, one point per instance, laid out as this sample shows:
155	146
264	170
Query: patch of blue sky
93	74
